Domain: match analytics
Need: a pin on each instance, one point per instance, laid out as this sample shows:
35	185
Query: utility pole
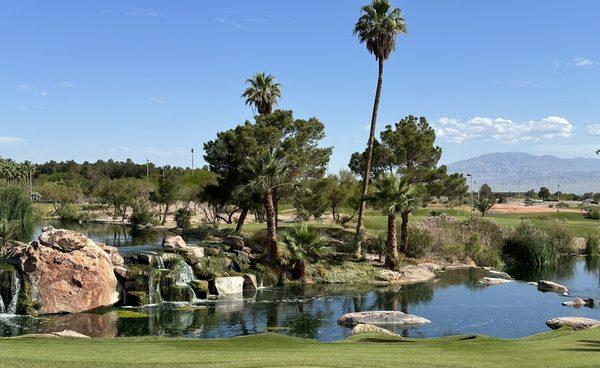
192	159
557	204
147	170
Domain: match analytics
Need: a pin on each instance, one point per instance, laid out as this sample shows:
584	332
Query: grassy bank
553	349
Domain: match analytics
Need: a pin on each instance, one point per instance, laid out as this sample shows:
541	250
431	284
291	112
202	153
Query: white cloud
147	12
502	130
67	84
593	129
157	99
32	89
233	24
7	140
581	62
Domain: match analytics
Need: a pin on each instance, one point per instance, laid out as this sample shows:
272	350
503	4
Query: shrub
15	211
530	246
420	242
562	205
70	213
183	218
592	213
375	245
141	214
592	243
561	238
435	213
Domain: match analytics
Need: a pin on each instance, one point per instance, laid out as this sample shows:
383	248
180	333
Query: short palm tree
377	27
394	195
305	244
262	93
484	204
268	173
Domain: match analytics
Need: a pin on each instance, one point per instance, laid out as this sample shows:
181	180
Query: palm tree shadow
592	346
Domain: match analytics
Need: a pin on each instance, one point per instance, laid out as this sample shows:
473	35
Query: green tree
483	205
262	93
377	27
340	192
485	191
530	193
395	196
314	202
60	195
122	194
166	193
544	193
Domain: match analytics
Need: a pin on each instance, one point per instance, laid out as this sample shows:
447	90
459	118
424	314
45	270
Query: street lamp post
192	159
471	189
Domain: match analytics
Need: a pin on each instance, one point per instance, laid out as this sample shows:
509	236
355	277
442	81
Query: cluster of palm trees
13	172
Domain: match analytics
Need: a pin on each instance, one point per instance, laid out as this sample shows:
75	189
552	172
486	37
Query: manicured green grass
553	349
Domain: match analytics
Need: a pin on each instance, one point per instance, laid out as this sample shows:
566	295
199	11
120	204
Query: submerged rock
499	274
494	281
63	272
381	317
577	323
363	327
580	302
546	286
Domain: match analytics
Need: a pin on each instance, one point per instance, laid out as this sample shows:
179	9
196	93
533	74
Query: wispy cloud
502	130
593	129
7	140
578	62
157	99
32	89
146	12
531	82
67	84
233	24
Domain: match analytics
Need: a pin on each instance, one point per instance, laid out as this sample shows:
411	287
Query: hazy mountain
517	171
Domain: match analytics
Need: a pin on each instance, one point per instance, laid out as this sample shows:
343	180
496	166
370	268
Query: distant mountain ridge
517	171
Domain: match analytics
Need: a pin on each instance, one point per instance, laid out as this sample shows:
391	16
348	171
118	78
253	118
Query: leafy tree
121	194
485	191
377	27
395	196
262	93
183	218
544	193
314	202
60	195
166	193
341	191
530	193
483	205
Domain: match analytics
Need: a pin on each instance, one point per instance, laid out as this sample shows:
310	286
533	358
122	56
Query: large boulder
173	242
381	318
577	323
228	285
362	328
549	286
63	272
235	242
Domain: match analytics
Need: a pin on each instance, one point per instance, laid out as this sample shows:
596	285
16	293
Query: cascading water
10	286
16	288
160	262
185	274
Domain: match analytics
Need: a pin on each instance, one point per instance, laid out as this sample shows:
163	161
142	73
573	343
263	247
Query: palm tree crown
393	194
262	93
378	27
267	172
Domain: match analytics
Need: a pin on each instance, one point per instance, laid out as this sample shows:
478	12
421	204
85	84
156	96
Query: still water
455	303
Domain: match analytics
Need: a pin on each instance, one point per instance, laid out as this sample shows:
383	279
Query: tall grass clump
561	239
592	243
16	211
530	246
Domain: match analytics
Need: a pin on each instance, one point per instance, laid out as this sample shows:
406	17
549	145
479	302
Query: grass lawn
553	349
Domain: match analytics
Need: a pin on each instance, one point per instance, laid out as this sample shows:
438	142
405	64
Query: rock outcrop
381	318
63	272
577	323
228	285
363	327
549	286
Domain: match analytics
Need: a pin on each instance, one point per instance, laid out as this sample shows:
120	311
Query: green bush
562	205
482	255
420	242
529	246
561	238
70	213
592	213
141	213
183	218
592	243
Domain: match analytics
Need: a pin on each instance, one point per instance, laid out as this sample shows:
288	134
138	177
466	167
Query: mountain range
517	171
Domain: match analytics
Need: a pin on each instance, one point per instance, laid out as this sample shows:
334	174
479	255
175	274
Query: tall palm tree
268	173
262	93
394	195
377	28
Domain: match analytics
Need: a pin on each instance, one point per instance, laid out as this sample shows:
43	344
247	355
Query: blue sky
152	79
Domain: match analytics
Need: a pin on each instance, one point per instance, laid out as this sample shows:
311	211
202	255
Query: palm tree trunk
392	248
404	231
271	226
365	190
164	219
241	220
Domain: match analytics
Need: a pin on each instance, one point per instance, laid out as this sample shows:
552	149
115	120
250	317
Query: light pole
192	159
558	203
471	189
147	170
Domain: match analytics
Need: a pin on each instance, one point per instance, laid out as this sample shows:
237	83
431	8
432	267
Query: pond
455	303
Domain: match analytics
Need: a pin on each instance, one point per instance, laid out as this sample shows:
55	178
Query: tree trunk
365	190
164	219
241	220
276	207
404	231
392	241
271	226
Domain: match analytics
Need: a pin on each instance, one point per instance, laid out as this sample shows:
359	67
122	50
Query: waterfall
16	288
160	262
150	289
2	310
10	286
185	274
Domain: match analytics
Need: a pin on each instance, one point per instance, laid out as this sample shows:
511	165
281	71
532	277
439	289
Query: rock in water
545	286
577	323
64	272
494	281
228	285
406	275
381	318
173	242
580	302
362	328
